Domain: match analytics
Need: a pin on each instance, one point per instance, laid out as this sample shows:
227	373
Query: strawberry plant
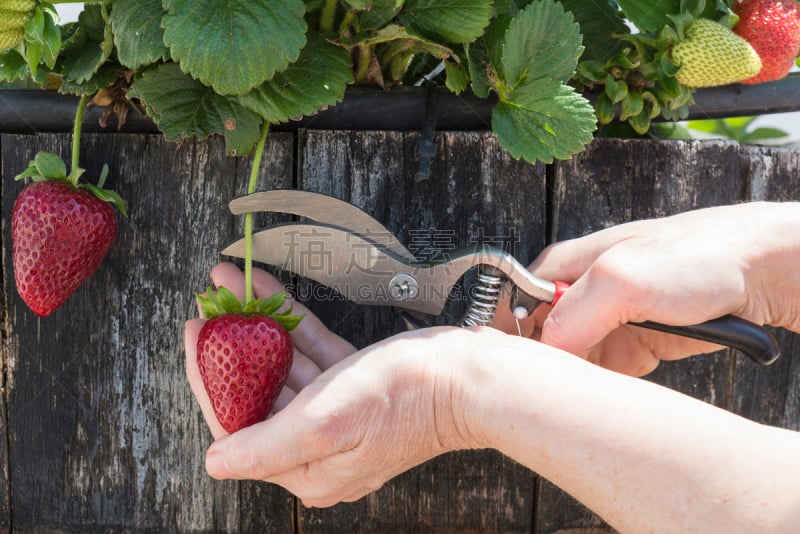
554	68
222	67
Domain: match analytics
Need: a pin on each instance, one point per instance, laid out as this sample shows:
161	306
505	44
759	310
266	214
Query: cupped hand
315	347
678	270
362	422
347	421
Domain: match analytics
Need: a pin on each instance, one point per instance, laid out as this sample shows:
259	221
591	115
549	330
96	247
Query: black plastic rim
402	108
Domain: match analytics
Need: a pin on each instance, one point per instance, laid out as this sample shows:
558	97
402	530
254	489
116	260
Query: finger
284	398
568	260
191	332
303	371
584	316
267	449
229	276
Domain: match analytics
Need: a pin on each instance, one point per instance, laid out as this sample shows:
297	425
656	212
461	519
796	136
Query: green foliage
226	67
222	300
737	129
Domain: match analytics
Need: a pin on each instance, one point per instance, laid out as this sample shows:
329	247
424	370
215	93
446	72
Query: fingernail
216	466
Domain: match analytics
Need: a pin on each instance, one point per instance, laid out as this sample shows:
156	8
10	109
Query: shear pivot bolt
403	287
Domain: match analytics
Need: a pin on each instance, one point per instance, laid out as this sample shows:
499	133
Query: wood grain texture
103	429
100	431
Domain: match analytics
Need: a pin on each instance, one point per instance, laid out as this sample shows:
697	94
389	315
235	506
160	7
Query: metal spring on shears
483	300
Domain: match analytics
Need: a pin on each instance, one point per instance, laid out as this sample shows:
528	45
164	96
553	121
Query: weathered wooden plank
475	192
104	431
615	181
771	395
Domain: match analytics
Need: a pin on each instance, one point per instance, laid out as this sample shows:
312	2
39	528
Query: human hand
345	423
315	347
678	270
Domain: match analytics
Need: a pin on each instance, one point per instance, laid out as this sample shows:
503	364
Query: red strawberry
60	234
244	356
772	27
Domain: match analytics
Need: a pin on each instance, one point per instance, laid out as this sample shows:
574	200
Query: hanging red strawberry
772	27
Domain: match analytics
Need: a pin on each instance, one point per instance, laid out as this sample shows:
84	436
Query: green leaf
649	15
234	45
605	109
107	195
457	77
137	32
447	21
50	166
380	13
632	106
228	301
269	305
12	66
598	20
288	322
209	305
616	90
479	65
107	74
530	48
763	134
640	123
89	47
183	108
317	79
543	119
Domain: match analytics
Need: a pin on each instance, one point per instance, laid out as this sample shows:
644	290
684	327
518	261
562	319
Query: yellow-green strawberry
19	6
9	38
713	55
10	20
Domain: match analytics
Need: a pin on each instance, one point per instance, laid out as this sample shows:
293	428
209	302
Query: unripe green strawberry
772	27
9	38
10	20
713	55
20	6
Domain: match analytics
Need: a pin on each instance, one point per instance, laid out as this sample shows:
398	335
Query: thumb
583	317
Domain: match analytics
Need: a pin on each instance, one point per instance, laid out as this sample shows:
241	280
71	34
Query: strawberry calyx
48	166
223	301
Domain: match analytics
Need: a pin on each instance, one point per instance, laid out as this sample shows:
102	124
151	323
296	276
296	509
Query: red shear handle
754	341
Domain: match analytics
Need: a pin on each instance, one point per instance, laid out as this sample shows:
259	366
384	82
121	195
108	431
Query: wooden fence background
100	432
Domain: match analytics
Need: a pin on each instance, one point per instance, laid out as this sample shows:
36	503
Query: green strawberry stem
248	218
76	138
327	16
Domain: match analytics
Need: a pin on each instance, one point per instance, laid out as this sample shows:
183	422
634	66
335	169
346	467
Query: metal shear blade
368	273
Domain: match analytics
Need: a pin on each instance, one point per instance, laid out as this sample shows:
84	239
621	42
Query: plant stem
248	217
327	16
76	133
364	57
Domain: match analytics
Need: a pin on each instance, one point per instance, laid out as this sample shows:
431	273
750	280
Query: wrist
773	279
472	399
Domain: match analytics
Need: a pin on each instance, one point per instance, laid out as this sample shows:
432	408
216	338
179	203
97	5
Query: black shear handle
755	342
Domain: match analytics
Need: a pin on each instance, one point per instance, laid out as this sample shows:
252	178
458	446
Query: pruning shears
344	248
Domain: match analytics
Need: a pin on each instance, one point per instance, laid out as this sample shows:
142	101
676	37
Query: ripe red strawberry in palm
244	356
772	27
60	233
